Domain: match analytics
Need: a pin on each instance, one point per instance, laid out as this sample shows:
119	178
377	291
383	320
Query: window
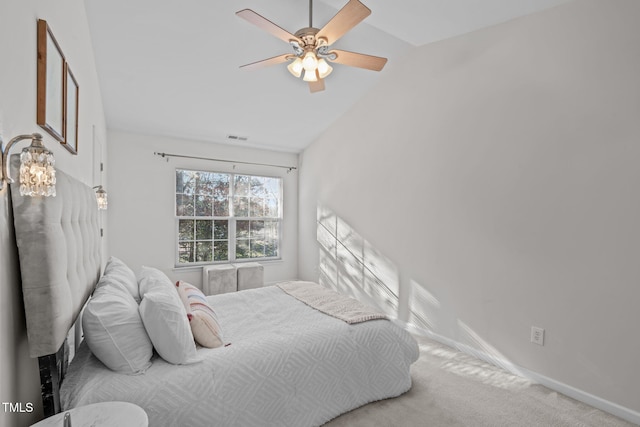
225	217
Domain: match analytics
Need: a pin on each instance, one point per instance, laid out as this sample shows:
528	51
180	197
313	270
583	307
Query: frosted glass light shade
295	67
309	62
324	69
310	76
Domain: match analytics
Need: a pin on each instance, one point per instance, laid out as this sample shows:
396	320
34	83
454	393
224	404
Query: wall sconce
37	174
101	197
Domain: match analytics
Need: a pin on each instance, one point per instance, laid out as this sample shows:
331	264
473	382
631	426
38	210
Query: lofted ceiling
171	68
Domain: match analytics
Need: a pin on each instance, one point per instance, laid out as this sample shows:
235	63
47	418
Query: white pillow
114	330
150	277
166	322
202	318
120	272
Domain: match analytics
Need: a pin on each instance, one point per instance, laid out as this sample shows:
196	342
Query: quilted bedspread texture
286	365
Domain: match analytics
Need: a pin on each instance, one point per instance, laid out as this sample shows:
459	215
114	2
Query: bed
284	360
287	364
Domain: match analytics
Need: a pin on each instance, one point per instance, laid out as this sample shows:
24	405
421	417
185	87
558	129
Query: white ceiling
171	68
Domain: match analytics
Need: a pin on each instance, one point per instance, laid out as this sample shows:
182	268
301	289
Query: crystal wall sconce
37	174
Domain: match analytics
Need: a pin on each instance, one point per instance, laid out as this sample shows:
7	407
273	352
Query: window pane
257	207
221	206
271	248
185	252
204	229
242	248
272	187
203	206
221	251
257	248
184	205
242	229
257	187
271	229
241	185
241	206
220	185
271	207
185	181
257	229
185	229
221	230
204	251
204	183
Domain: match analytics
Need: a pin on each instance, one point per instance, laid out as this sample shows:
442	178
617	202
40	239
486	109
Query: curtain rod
163	155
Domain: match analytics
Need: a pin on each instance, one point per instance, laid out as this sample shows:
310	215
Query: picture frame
71	101
51	83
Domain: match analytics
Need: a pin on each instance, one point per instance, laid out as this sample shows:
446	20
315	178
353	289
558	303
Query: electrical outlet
537	335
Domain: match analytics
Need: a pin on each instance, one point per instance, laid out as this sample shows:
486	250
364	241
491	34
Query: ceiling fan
312	46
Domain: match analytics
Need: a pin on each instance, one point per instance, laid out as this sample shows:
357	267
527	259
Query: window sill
200	266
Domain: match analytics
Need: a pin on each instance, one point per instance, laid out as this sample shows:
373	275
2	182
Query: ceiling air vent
237	138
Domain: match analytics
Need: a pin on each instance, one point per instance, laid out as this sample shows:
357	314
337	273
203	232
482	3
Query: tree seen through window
226	217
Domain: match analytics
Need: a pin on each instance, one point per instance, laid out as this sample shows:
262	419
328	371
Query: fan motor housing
308	36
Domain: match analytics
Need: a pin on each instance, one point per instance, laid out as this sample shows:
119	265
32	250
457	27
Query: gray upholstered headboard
58	242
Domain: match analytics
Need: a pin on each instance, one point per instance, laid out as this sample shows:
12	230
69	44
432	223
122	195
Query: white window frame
231	248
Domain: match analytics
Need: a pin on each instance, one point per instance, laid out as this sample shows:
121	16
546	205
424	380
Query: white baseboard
580	395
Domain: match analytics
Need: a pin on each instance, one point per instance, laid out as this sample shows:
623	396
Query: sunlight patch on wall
423	307
474	344
350	264
327	241
328	273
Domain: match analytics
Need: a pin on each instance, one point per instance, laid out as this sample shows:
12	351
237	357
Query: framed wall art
72	97
51	82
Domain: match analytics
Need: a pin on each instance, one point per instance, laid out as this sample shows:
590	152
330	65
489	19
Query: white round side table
104	414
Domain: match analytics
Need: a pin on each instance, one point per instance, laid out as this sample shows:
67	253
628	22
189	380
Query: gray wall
19	378
490	183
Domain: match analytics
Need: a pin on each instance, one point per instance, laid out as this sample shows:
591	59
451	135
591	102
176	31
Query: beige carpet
451	388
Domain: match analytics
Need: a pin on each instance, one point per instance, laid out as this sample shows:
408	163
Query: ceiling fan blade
317	86
267	62
266	25
348	17
359	60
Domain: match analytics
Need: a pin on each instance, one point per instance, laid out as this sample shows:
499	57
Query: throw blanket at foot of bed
330	302
287	365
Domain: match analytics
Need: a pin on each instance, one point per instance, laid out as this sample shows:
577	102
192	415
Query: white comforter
287	365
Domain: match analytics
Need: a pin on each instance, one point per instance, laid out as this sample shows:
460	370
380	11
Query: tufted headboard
59	244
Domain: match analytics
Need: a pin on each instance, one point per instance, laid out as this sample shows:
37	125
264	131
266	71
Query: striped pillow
202	319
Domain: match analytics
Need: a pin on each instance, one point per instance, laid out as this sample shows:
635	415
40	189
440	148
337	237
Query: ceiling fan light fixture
310	76
312	50
324	69
310	62
296	67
